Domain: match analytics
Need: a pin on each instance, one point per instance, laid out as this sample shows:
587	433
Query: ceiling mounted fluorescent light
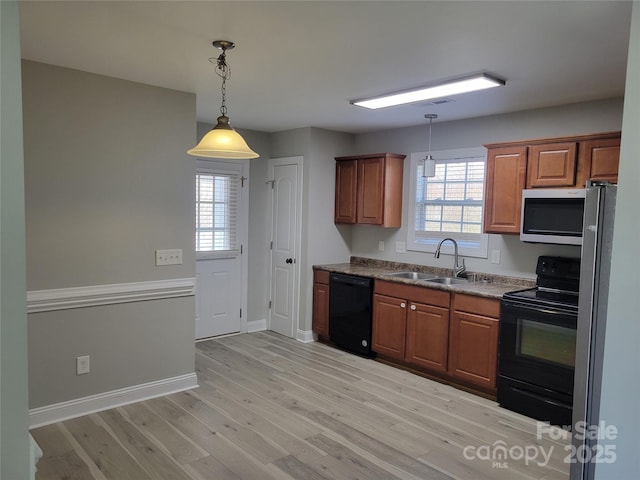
452	87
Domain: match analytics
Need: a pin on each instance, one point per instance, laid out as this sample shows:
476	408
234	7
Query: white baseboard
115	398
257	326
305	336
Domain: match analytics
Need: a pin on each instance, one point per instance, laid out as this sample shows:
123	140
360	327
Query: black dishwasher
350	310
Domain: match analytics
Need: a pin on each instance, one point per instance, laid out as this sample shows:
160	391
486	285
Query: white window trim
447	248
205	168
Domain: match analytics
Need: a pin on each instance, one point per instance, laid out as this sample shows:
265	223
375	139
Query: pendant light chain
223	71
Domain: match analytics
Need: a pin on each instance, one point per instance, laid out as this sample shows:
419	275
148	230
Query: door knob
289	260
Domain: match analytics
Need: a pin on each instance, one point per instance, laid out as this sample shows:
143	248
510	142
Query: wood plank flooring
269	407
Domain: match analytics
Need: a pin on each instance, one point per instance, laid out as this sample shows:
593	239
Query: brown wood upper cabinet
369	189
566	162
599	160
505	179
552	165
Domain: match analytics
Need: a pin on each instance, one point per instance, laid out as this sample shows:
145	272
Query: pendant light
429	167
223	141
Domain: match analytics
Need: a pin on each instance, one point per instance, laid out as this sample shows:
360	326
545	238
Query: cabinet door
346	191
599	160
473	348
370	191
427	336
320	319
552	165
505	179
389	326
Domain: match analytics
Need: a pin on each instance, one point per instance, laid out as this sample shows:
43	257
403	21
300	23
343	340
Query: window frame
429	243
216	254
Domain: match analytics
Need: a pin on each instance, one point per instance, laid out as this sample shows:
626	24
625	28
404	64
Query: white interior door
286	175
220	227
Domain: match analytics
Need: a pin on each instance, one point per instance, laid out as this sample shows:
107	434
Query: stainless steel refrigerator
599	212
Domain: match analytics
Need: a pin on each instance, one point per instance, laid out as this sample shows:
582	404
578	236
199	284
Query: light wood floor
272	408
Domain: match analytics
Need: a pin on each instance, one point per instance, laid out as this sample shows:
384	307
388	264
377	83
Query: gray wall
107	182
621	383
517	258
325	242
322	240
14	443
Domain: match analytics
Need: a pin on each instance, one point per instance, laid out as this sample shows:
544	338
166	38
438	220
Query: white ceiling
298	64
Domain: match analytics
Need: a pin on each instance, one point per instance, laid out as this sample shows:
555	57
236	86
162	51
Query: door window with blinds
217	204
450	204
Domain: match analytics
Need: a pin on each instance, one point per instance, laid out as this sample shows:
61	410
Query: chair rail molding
94	295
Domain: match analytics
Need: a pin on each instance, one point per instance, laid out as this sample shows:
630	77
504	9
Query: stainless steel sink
411	275
448	280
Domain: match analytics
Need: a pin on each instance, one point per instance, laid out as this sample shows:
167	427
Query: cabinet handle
403	305
413	307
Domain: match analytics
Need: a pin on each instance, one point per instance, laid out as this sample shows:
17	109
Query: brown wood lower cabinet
427	336
415	326
411	324
389	326
473	340
320	316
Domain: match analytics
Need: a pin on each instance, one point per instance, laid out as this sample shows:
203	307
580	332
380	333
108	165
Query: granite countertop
487	285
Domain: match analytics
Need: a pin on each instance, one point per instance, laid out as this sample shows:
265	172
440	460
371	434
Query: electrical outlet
82	365
401	247
169	257
381	245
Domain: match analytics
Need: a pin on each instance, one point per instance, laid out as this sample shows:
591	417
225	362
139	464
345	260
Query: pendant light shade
429	167
223	141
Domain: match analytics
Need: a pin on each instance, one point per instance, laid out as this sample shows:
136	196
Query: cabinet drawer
488	307
320	276
413	293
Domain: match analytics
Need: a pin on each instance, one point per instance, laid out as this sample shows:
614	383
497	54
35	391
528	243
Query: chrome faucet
458	270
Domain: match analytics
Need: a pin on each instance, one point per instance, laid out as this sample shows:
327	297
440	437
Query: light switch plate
401	247
169	257
495	256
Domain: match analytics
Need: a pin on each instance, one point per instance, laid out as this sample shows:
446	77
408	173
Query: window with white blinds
217	203
450	204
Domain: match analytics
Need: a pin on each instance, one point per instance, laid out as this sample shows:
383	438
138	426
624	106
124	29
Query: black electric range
537	347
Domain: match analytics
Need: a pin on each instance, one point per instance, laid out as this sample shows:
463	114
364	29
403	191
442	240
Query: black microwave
552	215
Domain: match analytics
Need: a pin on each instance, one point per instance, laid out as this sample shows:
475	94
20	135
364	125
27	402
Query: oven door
538	345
